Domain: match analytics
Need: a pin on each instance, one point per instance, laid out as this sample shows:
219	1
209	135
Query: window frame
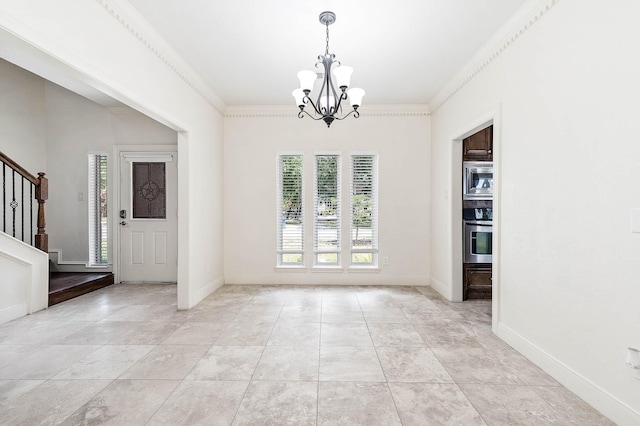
317	251
374	212
280	251
98	213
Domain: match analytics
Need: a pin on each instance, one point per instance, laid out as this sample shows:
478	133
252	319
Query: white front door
148	217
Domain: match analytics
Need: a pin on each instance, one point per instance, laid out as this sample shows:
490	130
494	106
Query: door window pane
149	190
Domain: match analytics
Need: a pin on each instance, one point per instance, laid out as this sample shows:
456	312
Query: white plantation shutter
326	214
364	210
290	211
97	199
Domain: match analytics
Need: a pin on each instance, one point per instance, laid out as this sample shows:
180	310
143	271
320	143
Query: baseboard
13	312
60	265
595	396
444	290
200	294
306	277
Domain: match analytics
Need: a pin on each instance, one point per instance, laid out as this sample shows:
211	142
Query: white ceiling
403	51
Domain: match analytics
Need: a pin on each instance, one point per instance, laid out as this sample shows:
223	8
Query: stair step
68	285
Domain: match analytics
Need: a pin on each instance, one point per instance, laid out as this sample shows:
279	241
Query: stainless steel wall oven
478	247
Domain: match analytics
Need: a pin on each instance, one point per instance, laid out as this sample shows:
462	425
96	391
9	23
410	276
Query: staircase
23	241
67	285
23	218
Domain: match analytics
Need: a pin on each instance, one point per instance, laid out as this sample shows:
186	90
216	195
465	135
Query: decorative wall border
262	112
149	37
289	112
523	21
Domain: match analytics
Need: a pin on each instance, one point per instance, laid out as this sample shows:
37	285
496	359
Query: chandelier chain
326	52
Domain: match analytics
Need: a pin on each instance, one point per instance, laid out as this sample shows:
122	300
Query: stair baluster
17	177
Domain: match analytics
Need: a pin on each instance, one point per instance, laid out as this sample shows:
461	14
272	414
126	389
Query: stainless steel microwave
478	180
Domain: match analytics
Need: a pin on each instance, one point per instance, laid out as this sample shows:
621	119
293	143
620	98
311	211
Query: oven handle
479	223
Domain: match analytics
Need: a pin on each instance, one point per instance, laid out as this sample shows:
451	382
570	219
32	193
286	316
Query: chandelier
328	104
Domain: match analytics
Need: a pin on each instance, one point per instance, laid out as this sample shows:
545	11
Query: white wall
22	124
106	45
252	142
565	95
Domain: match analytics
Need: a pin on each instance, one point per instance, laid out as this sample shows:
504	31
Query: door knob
123	223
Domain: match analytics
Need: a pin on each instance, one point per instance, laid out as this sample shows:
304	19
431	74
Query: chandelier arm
333	88
336	99
327	86
320	92
326	61
302	112
353	112
307	99
342	97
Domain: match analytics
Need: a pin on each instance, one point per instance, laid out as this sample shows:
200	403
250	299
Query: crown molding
292	111
519	24
136	24
260	111
395	110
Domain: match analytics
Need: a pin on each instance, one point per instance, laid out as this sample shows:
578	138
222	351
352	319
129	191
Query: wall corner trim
519	24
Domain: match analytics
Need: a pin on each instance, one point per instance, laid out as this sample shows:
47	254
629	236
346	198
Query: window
327	212
364	210
98	235
326	230
290	211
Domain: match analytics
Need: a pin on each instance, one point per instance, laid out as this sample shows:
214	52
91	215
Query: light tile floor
272	355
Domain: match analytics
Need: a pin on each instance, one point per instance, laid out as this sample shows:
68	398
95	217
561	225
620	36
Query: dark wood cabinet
479	146
477	281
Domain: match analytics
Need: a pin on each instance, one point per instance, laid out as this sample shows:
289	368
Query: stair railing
18	213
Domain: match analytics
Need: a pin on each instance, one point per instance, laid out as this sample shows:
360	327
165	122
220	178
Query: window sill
290	268
327	269
97	266
364	269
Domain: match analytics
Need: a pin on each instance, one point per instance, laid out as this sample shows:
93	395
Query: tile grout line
319	358
458	385
386	379
244	394
251	379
